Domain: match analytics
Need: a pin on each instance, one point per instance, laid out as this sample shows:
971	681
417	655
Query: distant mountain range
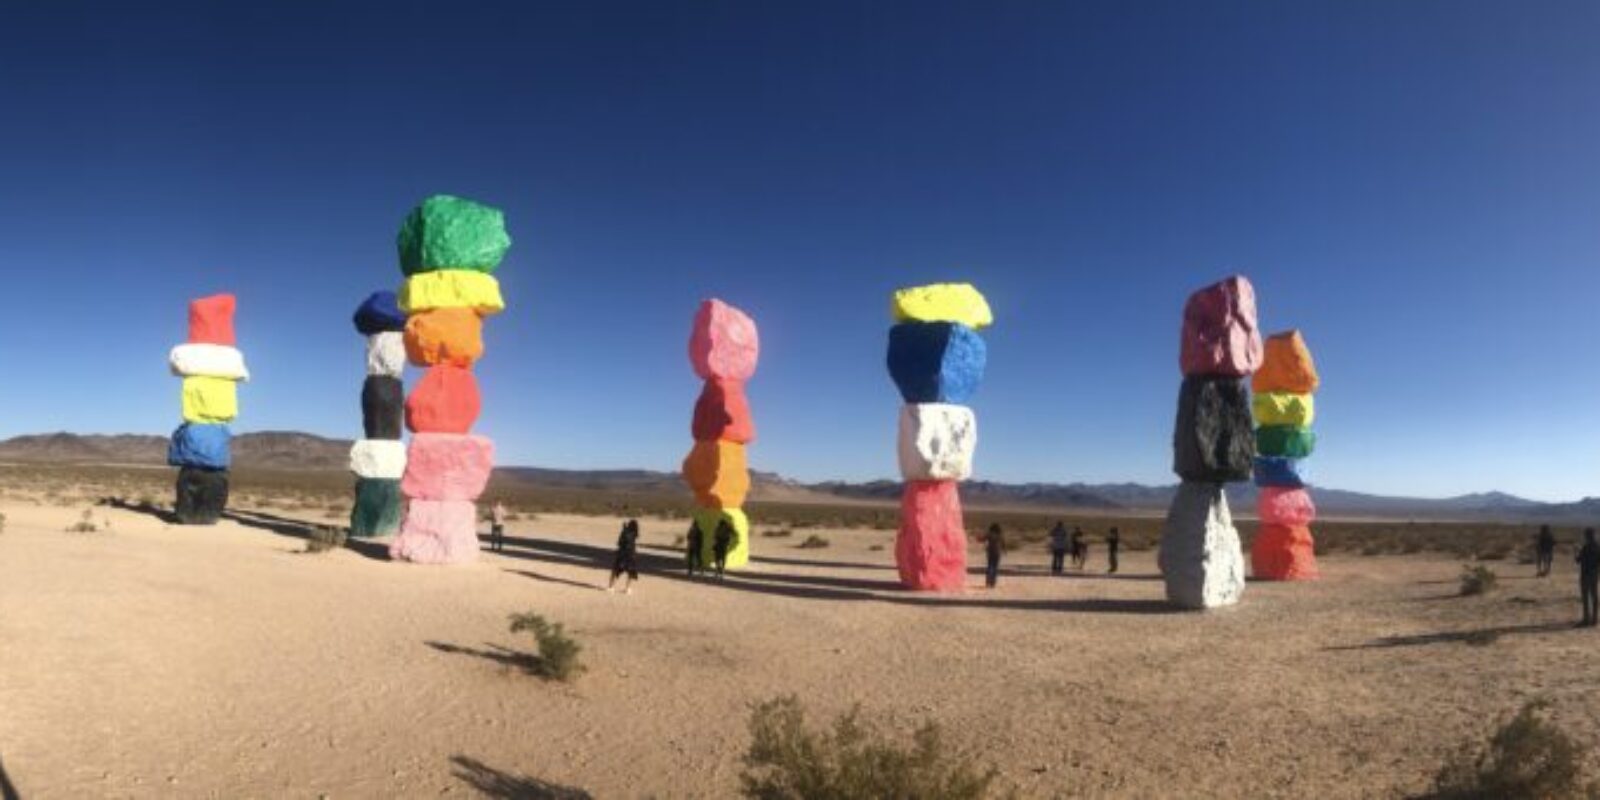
303	451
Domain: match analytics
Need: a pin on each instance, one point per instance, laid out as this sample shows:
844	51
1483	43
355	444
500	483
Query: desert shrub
324	538
2	523
680	541
777	533
85	523
813	542
786	761
558	653
876	548
1528	756
1477	579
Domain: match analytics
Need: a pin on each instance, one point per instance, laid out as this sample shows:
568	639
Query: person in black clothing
722	543
994	544
1113	542
1544	548
627	557
1080	549
1589	578
1058	548
695	552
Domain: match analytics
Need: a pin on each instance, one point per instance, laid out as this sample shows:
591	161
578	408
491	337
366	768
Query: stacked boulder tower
936	359
724	347
1213	445
378	459
211	367
449	248
1284	409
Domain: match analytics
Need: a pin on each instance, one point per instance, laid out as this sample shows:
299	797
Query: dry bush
1477	579
558	653
85	523
786	761
324	538
2	523
1527	757
777	533
813	542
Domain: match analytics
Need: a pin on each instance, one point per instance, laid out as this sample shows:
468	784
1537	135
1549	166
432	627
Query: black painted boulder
1214	439
202	495
383	405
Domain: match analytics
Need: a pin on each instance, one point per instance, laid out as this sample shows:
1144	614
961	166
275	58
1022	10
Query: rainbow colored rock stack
936	359
1213	445
449	249
378	459
1284	409
724	347
211	367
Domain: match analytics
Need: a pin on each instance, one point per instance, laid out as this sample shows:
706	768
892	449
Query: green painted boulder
447	232
1288	441
377	508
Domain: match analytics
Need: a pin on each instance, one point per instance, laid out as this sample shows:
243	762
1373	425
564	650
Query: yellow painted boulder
942	302
717	473
209	400
452	288
1283	408
708	520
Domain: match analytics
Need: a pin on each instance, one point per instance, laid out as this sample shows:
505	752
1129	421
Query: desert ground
151	660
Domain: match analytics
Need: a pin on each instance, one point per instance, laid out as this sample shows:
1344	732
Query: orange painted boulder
723	343
717	473
211	320
1283	553
1220	336
723	413
447	466
1277	505
452	336
1286	366
437	532
931	549
446	400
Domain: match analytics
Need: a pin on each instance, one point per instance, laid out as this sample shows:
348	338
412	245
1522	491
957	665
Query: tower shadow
496	783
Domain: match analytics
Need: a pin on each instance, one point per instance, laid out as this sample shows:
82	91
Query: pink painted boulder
447	466
1281	506
931	550
1220	337
437	532
724	343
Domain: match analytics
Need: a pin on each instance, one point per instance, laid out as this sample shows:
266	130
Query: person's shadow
8	790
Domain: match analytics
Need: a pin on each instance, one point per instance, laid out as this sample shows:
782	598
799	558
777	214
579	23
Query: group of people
1062	545
1544	549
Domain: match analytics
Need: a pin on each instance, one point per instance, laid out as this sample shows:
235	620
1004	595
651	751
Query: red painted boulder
437	532
447	466
931	549
446	400
211	320
723	414
724	343
1220	336
1277	505
1283	553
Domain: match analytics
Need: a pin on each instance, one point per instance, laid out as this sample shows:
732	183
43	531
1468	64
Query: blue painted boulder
936	362
1279	471
197	445
379	313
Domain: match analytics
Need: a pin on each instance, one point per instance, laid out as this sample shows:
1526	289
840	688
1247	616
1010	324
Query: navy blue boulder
1279	471
197	445
936	362
380	312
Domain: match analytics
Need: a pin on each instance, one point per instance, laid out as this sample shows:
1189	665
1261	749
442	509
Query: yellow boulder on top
210	401
1284	408
452	288
942	302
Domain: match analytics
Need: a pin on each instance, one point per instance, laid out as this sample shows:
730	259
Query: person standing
627	557
1589	578
1113	543
497	527
1544	548
1080	549
1058	548
722	543
695	554
993	545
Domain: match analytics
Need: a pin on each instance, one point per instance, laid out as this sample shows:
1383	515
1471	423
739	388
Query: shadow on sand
8	790
302	530
146	509
1478	637
504	656
493	783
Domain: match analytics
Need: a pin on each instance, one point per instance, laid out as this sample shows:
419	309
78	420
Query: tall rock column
378	459
724	347
1213	444
936	359
211	367
1284	386
449	249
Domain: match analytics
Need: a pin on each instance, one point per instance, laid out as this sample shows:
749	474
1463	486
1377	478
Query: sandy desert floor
157	661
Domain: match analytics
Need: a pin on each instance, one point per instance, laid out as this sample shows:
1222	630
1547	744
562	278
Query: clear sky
1416	185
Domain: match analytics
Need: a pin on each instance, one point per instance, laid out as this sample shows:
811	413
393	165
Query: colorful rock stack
724	347
1284	409
449	249
211	367
936	359
1213	445
378	459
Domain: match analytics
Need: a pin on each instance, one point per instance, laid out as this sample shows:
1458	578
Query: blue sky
1415	185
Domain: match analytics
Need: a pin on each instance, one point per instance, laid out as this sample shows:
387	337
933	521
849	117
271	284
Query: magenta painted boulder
724	343
931	550
447	466
1220	337
1277	505
437	532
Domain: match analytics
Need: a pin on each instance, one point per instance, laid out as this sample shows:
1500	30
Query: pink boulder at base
447	466
931	550
1220	336
437	532
724	343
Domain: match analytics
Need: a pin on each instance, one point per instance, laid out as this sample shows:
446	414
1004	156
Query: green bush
1477	580
558	653
1528	757
788	762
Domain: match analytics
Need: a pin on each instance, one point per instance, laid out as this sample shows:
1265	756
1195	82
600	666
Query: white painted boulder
378	458
386	354
1200	557
937	441
208	361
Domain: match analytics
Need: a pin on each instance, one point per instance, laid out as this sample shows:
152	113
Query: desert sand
150	660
